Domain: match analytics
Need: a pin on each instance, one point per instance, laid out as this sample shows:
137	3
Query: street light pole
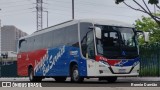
72	9
0	51
0	66
0	35
47	17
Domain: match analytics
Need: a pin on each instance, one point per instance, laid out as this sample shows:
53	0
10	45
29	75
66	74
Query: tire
75	75
111	79
60	79
102	78
31	76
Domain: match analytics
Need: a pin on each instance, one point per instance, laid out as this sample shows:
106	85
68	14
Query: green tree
149	25
143	8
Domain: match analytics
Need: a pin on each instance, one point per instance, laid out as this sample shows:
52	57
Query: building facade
9	37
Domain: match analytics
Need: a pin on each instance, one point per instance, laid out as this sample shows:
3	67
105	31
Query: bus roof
71	22
107	22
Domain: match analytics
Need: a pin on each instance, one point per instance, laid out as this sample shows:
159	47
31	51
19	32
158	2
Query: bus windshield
117	42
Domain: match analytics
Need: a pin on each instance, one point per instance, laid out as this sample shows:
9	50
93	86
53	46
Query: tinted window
22	45
30	44
87	40
72	35
90	45
63	36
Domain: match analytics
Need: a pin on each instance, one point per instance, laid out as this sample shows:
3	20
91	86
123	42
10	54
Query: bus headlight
104	63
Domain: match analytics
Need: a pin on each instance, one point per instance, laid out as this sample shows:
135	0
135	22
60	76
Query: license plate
122	70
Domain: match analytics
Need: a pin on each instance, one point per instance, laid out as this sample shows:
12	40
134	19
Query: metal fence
8	69
150	60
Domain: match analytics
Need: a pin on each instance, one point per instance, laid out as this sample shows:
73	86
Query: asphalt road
121	82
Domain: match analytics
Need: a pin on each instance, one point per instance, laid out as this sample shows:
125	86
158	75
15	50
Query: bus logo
123	53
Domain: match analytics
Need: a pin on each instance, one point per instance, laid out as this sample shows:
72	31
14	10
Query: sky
22	13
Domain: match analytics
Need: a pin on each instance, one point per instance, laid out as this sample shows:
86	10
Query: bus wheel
111	79
32	78
75	75
60	79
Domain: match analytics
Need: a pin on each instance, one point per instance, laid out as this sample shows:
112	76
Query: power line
89	12
84	11
87	4
30	1
93	4
16	5
16	13
39	9
58	1
60	10
6	3
12	11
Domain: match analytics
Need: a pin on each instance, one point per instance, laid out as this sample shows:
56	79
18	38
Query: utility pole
0	51
47	17
0	35
72	9
39	9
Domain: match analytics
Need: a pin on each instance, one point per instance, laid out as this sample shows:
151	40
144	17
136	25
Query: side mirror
145	35
98	32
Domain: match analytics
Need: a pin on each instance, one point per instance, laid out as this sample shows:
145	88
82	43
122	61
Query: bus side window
22	44
88	49
90	45
84	46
